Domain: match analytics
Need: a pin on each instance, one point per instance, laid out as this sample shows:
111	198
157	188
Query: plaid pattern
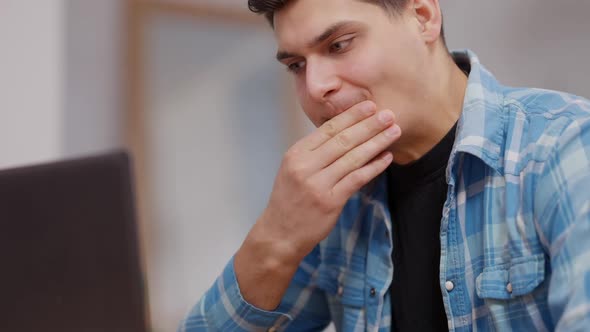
515	231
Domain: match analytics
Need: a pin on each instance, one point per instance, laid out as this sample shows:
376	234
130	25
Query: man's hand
316	178
323	170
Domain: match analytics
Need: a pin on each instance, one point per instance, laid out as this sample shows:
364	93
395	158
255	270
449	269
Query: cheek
364	69
311	110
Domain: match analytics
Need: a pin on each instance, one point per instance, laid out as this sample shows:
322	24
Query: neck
435	110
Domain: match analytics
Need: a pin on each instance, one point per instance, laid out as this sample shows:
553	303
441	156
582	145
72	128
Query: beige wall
541	43
61	78
93	76
31	87
214	143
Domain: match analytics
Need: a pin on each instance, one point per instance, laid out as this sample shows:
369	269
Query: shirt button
373	292
340	291
509	288
449	285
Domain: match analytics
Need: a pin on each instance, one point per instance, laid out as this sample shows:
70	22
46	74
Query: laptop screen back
68	248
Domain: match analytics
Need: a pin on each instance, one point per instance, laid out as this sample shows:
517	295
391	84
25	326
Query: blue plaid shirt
515	231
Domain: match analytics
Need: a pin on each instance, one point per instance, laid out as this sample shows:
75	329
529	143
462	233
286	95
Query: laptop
69	255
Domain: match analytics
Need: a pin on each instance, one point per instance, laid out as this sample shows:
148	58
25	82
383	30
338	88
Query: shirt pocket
519	277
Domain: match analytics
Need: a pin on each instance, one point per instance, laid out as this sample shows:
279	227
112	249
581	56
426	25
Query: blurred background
191	87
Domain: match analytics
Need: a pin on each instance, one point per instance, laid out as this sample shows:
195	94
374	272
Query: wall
31	81
94	89
540	43
61	85
215	129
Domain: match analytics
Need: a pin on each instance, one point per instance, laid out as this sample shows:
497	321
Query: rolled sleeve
223	308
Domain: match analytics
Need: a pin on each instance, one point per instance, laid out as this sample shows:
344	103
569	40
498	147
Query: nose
322	80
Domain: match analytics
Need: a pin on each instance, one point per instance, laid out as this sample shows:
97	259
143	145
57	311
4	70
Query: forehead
301	20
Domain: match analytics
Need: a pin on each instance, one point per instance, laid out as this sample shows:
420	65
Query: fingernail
393	131
385	116
388	157
368	108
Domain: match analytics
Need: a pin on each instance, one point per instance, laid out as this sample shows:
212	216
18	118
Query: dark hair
269	7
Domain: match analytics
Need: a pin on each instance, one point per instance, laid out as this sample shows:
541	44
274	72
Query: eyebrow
329	32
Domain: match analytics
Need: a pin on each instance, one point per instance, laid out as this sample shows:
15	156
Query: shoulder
550	131
538	122
545	106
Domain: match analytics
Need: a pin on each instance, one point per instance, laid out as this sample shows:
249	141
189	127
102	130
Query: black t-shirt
417	193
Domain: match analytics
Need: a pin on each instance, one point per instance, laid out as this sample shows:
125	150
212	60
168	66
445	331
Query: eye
340	46
296	67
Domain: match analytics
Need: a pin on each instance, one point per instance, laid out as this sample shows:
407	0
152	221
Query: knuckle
358	178
324	205
352	159
289	157
320	198
293	152
373	145
312	189
295	171
316	197
326	208
344	141
369	126
292	159
329	128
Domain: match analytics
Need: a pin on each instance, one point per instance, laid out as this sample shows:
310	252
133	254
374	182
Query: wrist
273	247
263	260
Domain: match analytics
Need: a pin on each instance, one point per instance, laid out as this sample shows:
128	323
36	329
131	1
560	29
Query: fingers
360	156
355	180
335	125
350	138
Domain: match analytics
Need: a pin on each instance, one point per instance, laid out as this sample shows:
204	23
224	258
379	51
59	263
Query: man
481	222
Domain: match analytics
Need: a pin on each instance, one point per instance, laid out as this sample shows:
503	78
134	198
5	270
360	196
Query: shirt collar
481	126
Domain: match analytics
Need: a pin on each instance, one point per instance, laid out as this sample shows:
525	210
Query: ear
429	18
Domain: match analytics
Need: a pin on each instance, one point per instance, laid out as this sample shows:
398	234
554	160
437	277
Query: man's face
342	52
